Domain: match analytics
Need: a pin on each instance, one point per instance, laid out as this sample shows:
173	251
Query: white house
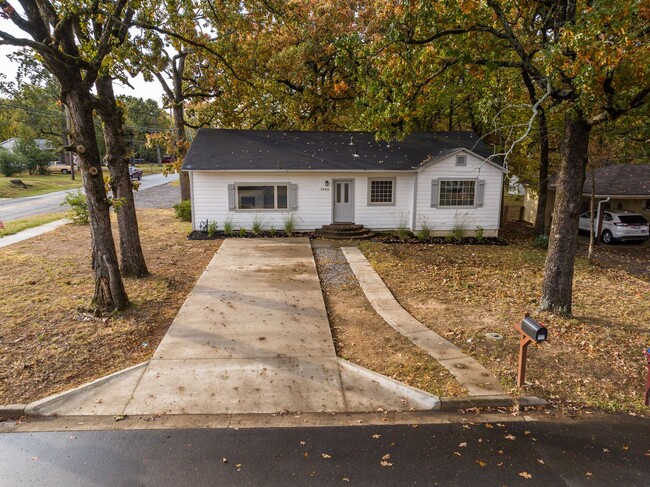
10	144
438	179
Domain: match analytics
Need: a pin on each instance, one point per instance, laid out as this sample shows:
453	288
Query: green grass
39	185
10	228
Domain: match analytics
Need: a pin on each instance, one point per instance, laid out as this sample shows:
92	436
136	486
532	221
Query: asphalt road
17	208
615	451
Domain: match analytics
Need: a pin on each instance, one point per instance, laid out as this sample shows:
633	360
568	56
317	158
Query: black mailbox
533	330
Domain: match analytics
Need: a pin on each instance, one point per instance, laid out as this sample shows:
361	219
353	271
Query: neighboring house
10	144
441	179
627	186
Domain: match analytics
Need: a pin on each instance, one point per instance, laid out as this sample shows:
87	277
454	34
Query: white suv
618	225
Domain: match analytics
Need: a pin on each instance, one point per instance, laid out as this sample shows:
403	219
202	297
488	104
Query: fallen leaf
384	463
302	442
525	475
488	425
224	460
456	453
588	474
376	436
481	463
386	456
510	437
325	455
345	479
539	460
119	417
463	444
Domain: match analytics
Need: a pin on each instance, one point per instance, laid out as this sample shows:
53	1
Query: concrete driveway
252	337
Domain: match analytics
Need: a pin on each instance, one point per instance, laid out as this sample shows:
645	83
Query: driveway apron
252	337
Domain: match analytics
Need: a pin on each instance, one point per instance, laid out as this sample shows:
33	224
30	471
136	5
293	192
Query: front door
343	201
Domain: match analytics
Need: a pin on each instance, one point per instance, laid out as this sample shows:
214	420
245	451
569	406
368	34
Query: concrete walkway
472	375
31	232
252	337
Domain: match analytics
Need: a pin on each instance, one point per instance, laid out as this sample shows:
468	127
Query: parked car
135	173
168	159
618	225
138	161
58	167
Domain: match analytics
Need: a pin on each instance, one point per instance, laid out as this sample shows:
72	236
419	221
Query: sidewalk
31	233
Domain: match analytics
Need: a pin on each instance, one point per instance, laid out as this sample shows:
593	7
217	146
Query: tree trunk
179	131
109	288
542	197
558	268
132	262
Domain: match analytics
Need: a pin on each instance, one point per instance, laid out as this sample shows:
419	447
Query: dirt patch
49	341
363	337
463	292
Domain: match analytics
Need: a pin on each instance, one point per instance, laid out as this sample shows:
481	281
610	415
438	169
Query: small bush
212	228
402	226
184	210
541	242
9	164
479	234
228	227
424	233
273	231
449	238
242	232
461	223
258	225
290	224
78	207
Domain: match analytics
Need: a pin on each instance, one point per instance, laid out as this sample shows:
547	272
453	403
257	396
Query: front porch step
347	231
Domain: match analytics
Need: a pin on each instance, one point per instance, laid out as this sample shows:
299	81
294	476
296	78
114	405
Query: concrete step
342	227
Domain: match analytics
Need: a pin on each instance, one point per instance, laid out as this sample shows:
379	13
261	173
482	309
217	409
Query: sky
142	89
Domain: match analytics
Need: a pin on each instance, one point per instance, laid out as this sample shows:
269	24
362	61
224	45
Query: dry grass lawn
462	292
50	341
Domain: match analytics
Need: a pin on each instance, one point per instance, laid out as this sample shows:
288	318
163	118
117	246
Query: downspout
415	202
599	221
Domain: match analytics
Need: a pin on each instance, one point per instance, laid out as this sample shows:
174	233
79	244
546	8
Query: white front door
343	201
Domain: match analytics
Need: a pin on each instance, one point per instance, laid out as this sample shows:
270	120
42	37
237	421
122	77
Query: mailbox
533	330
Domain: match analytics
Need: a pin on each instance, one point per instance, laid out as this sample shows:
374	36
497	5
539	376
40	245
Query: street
607	450
17	208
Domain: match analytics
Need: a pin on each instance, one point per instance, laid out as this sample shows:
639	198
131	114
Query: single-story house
627	186
439	179
10	144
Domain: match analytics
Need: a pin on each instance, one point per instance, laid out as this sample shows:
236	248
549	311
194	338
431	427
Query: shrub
9	164
461	223
78	207
479	234
273	231
242	232
212	228
184	210
290	224
228	227
258	225
402	226
424	233
541	242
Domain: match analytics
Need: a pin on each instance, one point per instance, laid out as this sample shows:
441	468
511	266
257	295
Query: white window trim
446	207
391	203
275	198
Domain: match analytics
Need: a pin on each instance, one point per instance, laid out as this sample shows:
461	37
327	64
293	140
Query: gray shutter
293	197
231	197
434	193
480	193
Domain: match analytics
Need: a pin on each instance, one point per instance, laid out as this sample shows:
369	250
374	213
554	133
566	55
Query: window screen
457	193
381	191
269	197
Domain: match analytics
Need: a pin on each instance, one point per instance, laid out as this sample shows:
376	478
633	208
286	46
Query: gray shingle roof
225	150
622	180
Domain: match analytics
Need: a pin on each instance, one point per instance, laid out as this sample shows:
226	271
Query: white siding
210	199
441	220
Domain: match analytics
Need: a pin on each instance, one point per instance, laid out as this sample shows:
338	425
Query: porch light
327	182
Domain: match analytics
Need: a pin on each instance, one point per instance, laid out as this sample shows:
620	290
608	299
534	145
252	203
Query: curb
12	410
32	408
467	402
